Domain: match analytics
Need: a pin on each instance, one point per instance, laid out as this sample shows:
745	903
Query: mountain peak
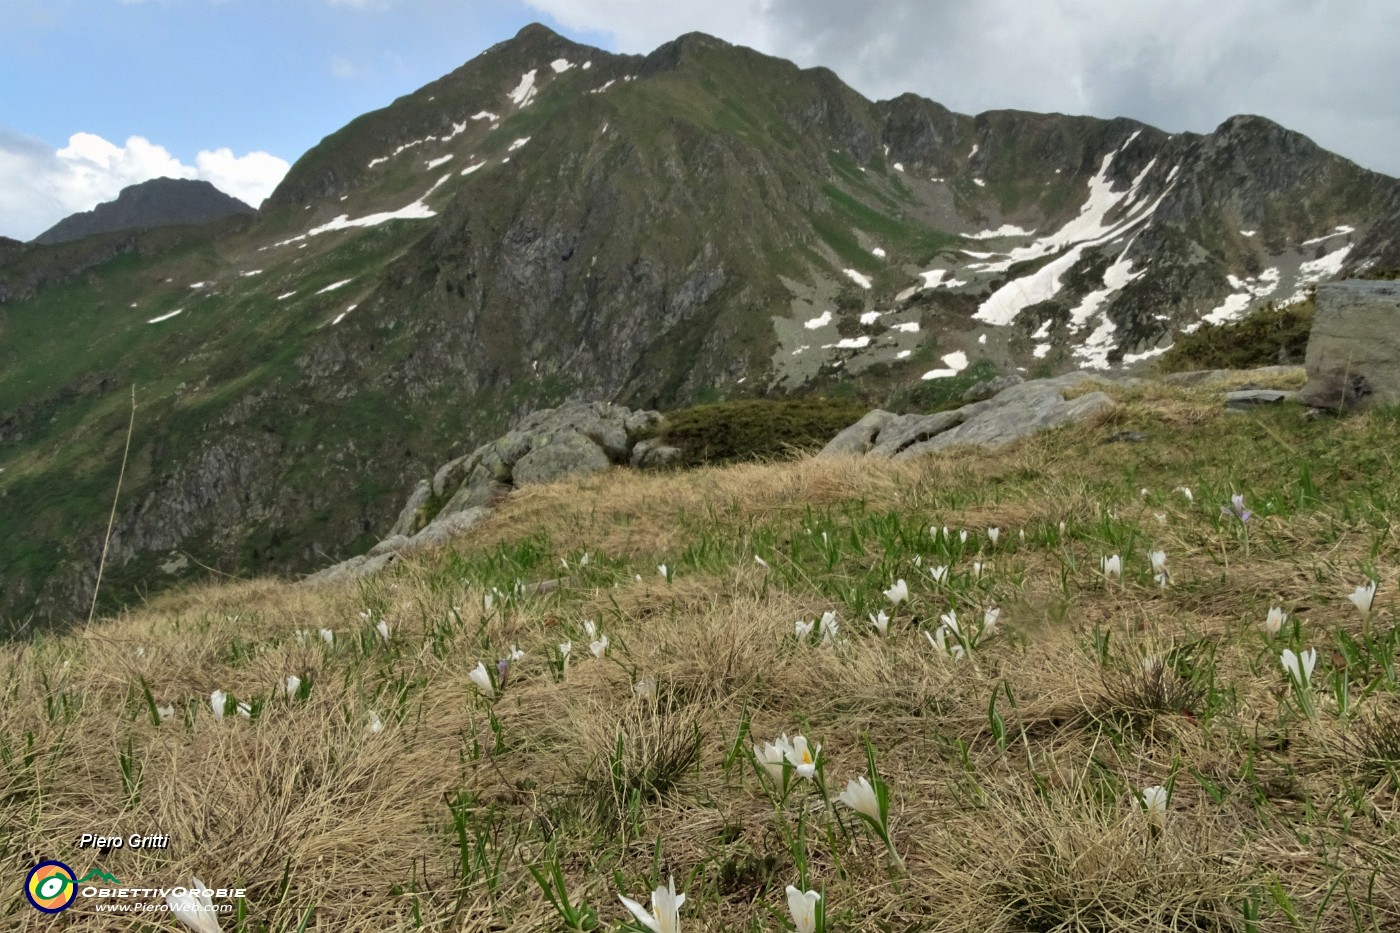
160	202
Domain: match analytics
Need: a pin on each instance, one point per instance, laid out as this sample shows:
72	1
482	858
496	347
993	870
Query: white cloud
343	67
39	185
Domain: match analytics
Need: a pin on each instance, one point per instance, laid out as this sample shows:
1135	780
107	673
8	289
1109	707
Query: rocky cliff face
551	223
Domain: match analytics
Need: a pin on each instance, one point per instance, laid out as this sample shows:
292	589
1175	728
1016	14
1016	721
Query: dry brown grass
1036	832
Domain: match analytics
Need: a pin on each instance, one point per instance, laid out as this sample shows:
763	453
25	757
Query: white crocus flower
661	569
1154	801
950	619
1161	517
802	756
989	621
828	627
516	655
488	601
1112	567
897	593
1363	597
376	725
977	569
861	797
165	712
328	637
382	628
962	536
564	648
760	561
291	685
1062	529
804	629
881	623
938	638
993	534
590	628
245	711
218	700
1159	568
939	574
482	678
803	907
194	908
957	652
664	916
1274	621
599	647
1299	666
770	756
1185	491
646	689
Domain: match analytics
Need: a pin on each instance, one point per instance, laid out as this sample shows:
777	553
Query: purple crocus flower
1237	509
502	669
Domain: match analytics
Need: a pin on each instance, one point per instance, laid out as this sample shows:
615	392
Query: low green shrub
757	429
1270	336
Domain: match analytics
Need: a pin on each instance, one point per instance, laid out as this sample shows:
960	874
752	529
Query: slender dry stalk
112	519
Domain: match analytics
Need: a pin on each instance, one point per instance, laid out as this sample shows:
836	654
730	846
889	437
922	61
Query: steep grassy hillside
390	789
552	222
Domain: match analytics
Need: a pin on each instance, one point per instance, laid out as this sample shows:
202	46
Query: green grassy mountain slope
553	221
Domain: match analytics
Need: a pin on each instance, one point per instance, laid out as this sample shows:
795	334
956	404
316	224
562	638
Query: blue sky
97	94
275	75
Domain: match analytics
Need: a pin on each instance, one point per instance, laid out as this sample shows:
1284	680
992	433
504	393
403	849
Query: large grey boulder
653	452
557	456
987	388
407	522
444	529
859	437
575	439
912	430
1353	356
1030	413
1020	409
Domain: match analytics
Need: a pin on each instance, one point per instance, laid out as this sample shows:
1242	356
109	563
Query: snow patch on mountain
334	285
1003	230
524	91
955	362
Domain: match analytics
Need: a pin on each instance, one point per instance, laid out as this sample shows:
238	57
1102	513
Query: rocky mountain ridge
552	222
160	202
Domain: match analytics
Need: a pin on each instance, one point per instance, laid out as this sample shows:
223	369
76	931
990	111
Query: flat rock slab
1246	399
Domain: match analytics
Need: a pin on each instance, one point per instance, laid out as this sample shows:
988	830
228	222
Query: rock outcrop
1013	413
575	439
1353	354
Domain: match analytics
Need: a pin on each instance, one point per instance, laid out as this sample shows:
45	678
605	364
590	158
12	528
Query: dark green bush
1269	337
757	429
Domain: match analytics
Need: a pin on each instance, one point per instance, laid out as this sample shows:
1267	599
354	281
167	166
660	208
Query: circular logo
51	887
